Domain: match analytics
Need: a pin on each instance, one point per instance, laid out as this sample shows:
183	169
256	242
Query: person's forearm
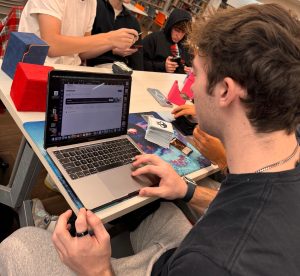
89	46
202	198
95	53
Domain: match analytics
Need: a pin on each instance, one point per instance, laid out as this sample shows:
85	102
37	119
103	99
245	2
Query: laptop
86	135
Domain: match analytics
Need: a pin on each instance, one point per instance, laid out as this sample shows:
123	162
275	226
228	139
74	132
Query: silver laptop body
85	135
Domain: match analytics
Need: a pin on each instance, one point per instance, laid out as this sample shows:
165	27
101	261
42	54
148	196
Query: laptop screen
84	106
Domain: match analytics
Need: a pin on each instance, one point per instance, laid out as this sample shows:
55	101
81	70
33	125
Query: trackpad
146	180
120	182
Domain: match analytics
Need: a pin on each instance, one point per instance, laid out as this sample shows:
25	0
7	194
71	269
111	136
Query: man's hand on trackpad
171	185
146	179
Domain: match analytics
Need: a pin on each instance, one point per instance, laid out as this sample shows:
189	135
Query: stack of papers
159	132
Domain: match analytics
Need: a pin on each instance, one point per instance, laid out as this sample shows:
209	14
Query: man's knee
22	241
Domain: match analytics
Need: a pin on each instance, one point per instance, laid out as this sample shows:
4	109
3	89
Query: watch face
189	180
191	184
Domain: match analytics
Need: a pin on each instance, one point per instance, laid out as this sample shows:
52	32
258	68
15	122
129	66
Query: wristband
191	184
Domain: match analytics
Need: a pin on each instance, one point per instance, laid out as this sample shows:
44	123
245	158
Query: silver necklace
279	162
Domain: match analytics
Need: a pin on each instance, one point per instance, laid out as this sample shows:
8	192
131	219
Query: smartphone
159	97
184	125
175	142
176	59
136	46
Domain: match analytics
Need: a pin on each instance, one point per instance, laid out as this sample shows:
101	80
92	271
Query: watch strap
191	185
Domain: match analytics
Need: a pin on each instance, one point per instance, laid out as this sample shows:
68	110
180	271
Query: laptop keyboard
87	160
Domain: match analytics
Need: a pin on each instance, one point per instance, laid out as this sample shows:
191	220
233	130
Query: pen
137	37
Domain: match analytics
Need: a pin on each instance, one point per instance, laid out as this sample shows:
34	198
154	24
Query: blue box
23	47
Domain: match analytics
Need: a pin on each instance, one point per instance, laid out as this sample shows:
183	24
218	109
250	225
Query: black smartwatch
191	184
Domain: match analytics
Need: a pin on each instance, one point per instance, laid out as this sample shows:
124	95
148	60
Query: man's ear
229	90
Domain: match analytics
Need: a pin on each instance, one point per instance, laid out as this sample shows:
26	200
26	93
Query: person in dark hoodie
162	49
113	15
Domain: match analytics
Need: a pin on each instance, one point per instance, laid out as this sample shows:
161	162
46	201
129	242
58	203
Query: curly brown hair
259	47
184	25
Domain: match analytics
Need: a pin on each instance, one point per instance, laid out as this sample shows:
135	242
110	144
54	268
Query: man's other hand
210	147
171	185
184	110
86	255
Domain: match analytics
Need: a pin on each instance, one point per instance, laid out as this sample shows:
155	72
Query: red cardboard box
29	87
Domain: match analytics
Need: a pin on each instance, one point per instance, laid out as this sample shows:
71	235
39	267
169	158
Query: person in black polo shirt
112	15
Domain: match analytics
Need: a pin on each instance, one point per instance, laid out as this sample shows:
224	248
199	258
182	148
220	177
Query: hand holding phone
136	45
170	65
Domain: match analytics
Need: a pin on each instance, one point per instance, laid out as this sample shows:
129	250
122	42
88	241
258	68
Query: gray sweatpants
29	251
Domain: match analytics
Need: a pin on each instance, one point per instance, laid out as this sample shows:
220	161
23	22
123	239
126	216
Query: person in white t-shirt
66	26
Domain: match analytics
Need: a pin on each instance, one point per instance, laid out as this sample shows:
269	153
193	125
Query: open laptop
85	135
